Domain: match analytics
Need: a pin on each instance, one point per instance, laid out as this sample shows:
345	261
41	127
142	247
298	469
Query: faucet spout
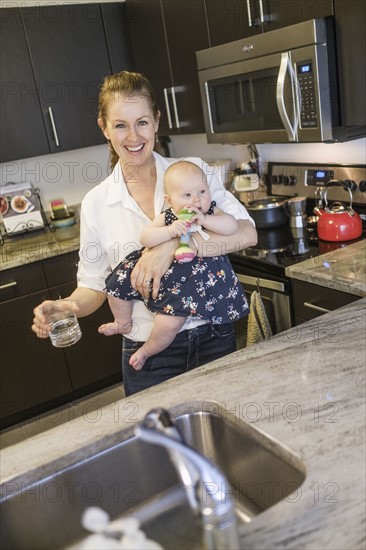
206	486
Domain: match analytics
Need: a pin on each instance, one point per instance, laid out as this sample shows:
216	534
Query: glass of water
64	326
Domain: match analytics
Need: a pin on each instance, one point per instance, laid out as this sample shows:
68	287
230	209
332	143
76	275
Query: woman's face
131	128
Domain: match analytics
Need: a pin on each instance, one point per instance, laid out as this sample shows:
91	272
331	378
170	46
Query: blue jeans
190	349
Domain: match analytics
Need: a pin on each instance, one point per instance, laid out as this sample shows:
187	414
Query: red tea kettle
338	222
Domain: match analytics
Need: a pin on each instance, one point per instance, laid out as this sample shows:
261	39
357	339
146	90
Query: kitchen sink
135	477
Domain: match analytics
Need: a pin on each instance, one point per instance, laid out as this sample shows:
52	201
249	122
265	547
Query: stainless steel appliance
277	87
263	266
297	210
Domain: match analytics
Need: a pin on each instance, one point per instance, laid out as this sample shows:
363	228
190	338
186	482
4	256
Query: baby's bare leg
164	331
122	310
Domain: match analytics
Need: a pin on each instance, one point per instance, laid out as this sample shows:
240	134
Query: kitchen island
304	387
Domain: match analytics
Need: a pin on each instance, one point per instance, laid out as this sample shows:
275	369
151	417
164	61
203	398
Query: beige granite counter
39	245
308	387
343	269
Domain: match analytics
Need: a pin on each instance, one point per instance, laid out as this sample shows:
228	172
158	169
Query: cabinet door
311	301
283	13
350	20
70	59
186	30
33	372
117	34
230	20
95	361
147	33
22	129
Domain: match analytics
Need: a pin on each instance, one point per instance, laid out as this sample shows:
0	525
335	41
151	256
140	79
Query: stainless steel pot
268	212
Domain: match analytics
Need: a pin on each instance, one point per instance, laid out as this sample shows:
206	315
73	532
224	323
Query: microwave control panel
308	118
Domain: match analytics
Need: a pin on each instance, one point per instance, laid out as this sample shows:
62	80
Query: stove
284	246
262	267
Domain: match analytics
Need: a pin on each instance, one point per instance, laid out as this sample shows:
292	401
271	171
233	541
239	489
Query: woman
112	216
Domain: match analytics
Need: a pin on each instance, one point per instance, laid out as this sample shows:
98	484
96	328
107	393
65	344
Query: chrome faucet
204	483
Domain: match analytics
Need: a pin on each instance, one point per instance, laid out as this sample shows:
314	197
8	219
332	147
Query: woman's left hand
154	262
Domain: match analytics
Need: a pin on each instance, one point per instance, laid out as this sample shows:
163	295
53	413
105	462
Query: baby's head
186	185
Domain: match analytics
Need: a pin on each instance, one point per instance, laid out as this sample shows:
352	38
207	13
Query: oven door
276	301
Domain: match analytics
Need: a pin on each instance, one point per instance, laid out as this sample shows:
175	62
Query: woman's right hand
154	262
40	325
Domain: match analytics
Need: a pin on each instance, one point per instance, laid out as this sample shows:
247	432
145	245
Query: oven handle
285	67
263	283
317	308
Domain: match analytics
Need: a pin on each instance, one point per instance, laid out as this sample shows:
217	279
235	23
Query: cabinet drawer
310	300
22	280
61	269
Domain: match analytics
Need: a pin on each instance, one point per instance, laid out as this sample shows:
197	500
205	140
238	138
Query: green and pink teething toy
184	252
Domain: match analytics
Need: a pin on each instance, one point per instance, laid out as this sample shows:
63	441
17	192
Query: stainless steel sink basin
138	478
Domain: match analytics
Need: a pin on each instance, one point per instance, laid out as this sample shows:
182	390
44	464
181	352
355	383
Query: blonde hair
124	84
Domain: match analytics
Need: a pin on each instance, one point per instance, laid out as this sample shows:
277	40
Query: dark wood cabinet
278	14
33	373
165	34
231	20
70	58
350	21
117	36
311	301
35	376
53	61
95	358
22	128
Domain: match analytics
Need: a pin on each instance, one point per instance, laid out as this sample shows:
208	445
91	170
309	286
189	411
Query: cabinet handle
8	285
261	14
175	109
168	108
250	21
209	107
317	308
262	283
53	127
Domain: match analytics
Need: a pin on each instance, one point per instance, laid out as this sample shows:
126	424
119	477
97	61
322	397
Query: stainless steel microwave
277	87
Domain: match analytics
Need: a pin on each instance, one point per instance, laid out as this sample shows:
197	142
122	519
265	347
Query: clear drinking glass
64	326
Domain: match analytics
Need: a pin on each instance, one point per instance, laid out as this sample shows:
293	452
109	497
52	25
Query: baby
205	288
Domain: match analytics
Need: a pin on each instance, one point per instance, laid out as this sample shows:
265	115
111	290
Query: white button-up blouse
111	223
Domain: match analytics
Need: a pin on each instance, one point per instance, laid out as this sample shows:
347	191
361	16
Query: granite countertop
38	245
342	269
308	384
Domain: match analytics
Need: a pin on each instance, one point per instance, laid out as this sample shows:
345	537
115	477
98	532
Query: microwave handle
209	107
285	67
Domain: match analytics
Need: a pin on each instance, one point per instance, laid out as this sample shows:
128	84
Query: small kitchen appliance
21	210
297	210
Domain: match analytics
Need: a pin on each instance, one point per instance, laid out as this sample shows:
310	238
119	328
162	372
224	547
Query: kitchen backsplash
70	175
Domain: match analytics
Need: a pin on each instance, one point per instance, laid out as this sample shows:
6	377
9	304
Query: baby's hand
198	216
177	228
